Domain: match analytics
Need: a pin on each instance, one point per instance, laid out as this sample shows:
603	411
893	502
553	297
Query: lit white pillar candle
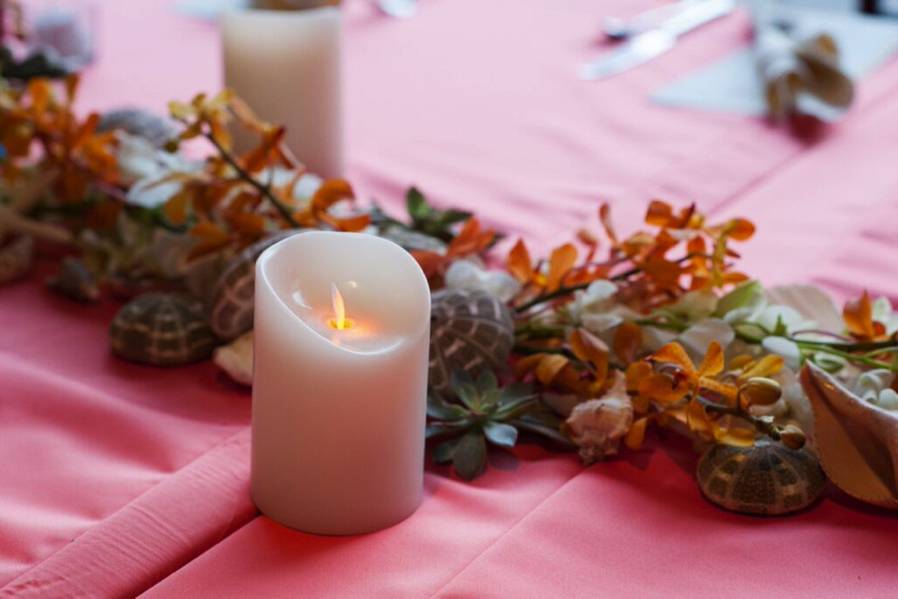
286	66
339	396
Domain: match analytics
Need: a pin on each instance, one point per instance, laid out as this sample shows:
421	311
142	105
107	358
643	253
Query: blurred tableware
651	44
292	4
286	66
401	9
731	84
619	28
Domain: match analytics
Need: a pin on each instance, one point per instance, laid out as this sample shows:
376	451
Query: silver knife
617	28
651	44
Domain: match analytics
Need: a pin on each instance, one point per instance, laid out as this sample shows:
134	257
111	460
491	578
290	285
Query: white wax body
286	66
338	416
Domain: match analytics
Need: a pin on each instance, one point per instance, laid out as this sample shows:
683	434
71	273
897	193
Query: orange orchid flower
471	240
858	317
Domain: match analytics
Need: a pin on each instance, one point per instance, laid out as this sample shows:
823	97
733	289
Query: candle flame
339	321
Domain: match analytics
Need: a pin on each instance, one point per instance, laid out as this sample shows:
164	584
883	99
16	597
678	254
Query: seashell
470	330
75	281
767	478
162	329
16	253
857	441
150	126
231	312
413	240
236	359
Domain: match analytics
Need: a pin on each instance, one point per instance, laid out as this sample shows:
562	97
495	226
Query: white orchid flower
882	312
699	336
463	274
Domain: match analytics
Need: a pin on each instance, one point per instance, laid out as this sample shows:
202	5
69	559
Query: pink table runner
114	477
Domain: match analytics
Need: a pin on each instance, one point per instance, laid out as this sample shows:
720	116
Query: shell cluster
16	253
150	126
162	329
765	479
470	331
75	281
231	306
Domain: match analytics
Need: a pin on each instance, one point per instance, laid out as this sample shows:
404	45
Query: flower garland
611	338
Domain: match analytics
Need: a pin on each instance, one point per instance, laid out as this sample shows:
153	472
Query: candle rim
270	253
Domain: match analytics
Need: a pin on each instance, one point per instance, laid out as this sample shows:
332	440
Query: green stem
861	359
668	326
243	174
866	346
563	291
763	426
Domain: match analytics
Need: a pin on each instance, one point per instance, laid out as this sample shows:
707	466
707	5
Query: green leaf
545	425
829	362
487	381
465	390
449	217
750	332
416	205
501	434
445	451
438	429
514	407
441	410
744	294
780	329
469	457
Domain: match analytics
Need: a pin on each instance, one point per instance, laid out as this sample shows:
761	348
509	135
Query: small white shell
236	359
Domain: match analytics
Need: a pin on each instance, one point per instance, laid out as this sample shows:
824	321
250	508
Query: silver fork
401	9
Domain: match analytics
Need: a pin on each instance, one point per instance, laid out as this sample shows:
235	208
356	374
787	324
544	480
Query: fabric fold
155	534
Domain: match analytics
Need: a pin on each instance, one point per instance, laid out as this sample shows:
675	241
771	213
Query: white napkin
732	84
794	60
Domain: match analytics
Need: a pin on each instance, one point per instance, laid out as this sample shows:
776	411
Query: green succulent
485	414
423	217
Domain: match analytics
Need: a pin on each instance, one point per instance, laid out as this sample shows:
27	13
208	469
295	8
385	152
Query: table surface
117	479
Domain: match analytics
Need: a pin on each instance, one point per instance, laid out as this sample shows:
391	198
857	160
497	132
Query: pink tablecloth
117	479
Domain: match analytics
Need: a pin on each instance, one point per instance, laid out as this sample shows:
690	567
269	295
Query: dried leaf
605	219
549	367
663	388
561	260
627	341
673	353
659	214
636	435
858	316
330	192
769	365
713	362
518	262
636	372
740	229
176	208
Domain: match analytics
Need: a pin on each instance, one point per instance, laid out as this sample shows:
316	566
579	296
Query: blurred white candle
339	408
286	66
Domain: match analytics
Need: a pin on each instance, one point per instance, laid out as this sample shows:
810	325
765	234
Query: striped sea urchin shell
162	329
469	331
231	312
766	479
